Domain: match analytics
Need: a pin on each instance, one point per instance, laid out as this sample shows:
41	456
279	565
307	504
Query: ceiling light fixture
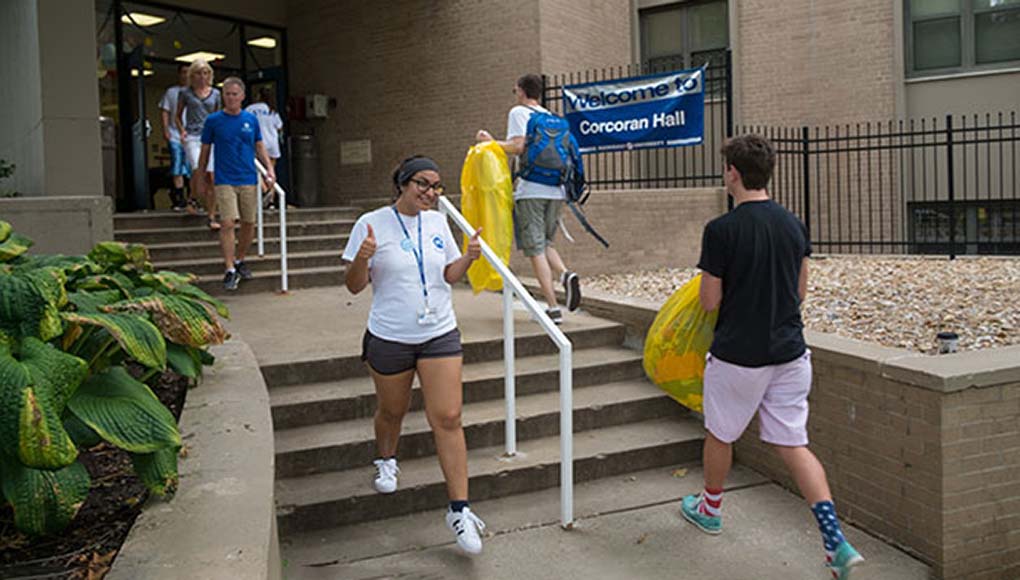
263	42
200	55
141	19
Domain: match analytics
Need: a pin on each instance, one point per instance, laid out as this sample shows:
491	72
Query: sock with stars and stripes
828	525
711	503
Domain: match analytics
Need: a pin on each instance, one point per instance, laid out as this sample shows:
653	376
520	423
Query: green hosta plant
70	329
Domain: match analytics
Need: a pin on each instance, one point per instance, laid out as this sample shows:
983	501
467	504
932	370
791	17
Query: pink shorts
778	393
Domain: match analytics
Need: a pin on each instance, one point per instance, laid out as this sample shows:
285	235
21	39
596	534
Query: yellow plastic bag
487	201
677	343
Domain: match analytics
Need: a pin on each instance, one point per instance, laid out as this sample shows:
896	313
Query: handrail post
566	361
261	237
509	379
566	437
282	197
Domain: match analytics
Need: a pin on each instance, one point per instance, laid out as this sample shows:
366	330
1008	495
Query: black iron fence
693	166
930	186
927	186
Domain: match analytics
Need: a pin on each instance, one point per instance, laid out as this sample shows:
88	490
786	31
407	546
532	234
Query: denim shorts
391	358
179	160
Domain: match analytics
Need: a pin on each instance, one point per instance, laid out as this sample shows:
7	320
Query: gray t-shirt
196	110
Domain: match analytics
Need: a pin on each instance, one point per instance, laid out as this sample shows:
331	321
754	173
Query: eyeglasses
424	186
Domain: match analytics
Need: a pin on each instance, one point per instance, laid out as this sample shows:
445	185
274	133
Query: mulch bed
87	547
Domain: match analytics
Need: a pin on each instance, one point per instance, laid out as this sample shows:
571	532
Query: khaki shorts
535	222
230	198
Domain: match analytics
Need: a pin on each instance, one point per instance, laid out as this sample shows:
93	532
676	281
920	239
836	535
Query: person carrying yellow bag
487	203
754	263
539	195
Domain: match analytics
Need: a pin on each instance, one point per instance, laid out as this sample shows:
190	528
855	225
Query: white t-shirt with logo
396	287
270	124
517	126
169	104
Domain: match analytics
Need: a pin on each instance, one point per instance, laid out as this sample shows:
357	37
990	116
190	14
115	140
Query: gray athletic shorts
391	358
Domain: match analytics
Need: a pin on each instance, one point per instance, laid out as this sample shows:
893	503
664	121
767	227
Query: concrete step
528	341
185	251
348	444
659	486
269	280
347	497
353	398
213	266
202	233
171	220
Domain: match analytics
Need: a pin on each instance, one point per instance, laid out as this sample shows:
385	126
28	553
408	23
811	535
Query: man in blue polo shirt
237	138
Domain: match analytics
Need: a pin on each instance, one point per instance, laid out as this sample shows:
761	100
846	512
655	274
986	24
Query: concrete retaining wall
923	451
60	225
222	523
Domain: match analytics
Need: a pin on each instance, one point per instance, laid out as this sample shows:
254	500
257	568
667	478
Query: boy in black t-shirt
755	267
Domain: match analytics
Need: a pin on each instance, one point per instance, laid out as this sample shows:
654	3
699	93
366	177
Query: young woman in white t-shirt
408	254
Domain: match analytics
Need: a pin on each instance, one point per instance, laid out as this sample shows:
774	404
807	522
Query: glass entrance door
140	47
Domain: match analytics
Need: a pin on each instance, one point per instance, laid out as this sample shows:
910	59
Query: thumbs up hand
474	249
367	249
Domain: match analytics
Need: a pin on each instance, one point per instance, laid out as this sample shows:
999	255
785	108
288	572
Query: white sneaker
468	527
386	471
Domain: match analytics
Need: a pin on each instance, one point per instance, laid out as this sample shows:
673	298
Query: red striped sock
711	502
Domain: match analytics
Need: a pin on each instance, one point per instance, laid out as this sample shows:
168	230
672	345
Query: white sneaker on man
468	528
386	471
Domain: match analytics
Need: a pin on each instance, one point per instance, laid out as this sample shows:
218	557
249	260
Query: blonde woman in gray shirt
195	103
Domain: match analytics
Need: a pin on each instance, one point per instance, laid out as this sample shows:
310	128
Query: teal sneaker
708	524
845	558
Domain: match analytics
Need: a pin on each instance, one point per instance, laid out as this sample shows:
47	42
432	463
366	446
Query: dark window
684	35
947	36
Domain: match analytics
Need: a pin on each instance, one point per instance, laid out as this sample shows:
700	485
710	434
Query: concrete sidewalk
626	527
323	322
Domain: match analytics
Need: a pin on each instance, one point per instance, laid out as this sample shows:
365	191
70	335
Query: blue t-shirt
234	137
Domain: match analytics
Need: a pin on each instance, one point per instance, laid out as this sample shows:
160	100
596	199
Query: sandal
214	225
191	207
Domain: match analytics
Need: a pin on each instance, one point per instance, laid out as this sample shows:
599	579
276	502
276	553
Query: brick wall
981	458
411	77
584	34
425	76
650	228
879	442
803	62
934	471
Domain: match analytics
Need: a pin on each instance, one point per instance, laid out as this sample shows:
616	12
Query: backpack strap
584	222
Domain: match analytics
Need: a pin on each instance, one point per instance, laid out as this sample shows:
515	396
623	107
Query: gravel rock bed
898	302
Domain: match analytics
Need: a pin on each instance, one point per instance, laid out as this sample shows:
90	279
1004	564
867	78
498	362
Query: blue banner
661	110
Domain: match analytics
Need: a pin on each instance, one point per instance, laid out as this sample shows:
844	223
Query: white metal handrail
512	286
282	202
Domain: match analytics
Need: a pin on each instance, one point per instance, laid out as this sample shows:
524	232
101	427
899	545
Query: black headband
413	165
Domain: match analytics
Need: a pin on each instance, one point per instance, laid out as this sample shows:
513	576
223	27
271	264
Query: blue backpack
552	157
